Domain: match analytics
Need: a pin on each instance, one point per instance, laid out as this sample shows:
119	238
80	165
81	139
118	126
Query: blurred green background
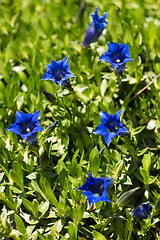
39	200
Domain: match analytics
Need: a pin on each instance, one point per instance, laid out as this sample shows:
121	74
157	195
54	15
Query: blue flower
96	189
95	29
110	126
142	211
26	125
117	55
59	72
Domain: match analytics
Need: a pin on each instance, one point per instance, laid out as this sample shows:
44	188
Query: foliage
38	184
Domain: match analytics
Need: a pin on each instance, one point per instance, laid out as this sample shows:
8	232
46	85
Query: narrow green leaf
28	205
17	180
147	163
19	223
7	202
41	236
98	235
103	87
72	231
94	160
145	176
50	193
37	188
43	207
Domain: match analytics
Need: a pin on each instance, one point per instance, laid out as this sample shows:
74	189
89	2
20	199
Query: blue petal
14	128
118	114
49	69
115	65
90	175
38	129
87	193
93	199
35	117
121	131
127	60
105	58
22	117
109	137
104	115
121	47
48	76
125	51
65	65
25	136
56	65
107	182
101	129
113	47
104	197
87	185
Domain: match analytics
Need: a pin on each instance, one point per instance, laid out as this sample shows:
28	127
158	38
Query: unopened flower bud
126	197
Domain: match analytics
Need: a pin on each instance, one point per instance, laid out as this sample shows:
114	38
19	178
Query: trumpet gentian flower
95	29
142	211
110	126
59	72
117	55
27	126
95	189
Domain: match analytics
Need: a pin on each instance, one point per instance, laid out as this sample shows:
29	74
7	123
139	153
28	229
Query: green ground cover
38	184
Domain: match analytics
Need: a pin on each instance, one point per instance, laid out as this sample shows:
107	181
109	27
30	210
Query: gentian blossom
142	211
27	126
95	29
59	72
117	55
110	126
96	189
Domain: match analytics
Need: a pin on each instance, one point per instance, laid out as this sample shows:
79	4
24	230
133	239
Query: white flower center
28	130
118	60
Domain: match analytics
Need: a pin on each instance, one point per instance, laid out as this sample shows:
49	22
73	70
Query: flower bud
126	197
50	97
44	160
157	206
142	211
95	29
51	128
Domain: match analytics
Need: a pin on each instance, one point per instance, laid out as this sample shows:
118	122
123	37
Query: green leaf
17	180
19	224
80	88
28	205
43	207
94	160
72	231
41	236
17	175
37	188
157	206
61	164
98	235
152	32
7	202
138	130
103	87
145	176
15	234
50	193
147	163
29	219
